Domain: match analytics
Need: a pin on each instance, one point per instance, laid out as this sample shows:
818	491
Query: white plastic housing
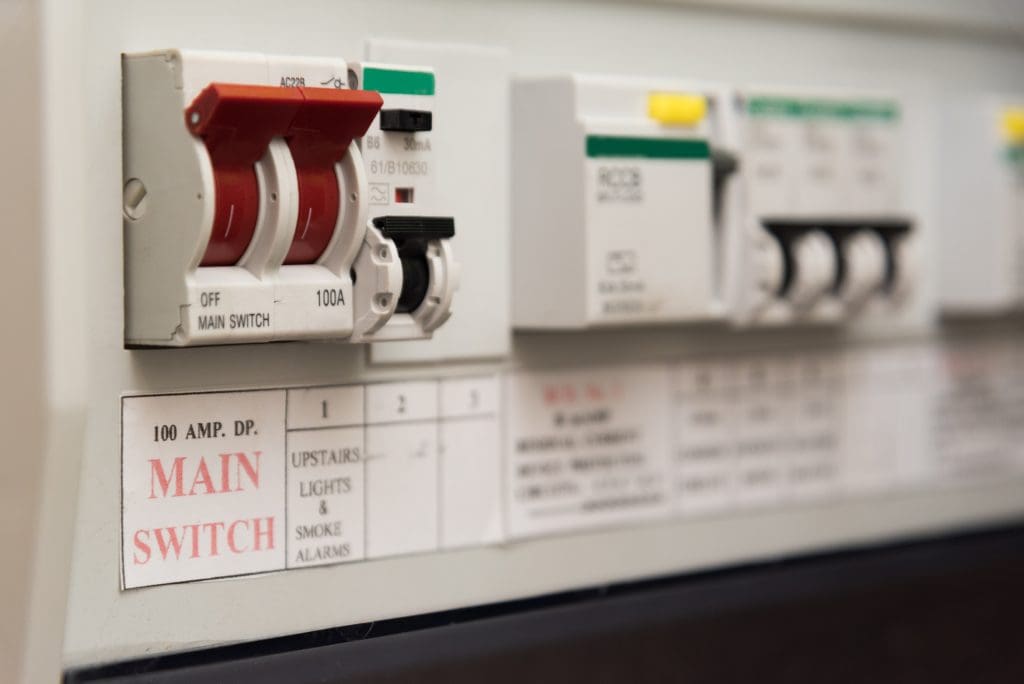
865	267
825	161
170	299
402	180
815	266
608	231
470	162
981	209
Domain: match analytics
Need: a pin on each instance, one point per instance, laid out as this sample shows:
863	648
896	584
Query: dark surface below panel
949	610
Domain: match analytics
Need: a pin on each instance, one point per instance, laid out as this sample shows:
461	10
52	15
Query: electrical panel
334	327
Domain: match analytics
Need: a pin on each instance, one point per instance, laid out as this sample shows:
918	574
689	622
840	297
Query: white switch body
612	210
170	299
809	162
402	176
981	209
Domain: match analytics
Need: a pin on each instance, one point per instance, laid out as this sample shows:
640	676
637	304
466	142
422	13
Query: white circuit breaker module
613	214
821	233
397	150
247	206
982	206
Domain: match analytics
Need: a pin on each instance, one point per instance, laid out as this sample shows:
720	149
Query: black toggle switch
411	235
406	120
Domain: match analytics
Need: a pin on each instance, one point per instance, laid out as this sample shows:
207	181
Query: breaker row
280	198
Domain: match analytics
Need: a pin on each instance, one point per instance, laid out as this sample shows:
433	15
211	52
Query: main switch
247	204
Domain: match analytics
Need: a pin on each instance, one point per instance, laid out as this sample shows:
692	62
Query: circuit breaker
402	244
614	207
247	205
641	201
982	205
821	232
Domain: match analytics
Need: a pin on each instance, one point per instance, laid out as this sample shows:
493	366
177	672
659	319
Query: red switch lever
319	137
236	123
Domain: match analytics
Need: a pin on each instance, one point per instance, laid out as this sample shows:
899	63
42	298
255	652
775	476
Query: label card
470	453
202	483
586	449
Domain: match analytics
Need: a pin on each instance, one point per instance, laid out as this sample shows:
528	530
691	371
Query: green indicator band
774	106
650	148
831	109
1015	154
395	82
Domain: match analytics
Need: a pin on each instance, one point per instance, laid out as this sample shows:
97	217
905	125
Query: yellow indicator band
1012	124
677	109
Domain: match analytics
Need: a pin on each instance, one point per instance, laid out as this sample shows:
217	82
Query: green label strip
648	148
396	82
823	109
1015	154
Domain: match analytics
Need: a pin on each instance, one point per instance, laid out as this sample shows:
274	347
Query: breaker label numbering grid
233	483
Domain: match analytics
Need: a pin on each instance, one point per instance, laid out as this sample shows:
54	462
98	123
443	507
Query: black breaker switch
411	235
406	120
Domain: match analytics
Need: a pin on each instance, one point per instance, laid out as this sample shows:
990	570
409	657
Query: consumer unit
339	318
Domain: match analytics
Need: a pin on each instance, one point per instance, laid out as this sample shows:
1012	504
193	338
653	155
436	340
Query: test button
406	120
677	109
